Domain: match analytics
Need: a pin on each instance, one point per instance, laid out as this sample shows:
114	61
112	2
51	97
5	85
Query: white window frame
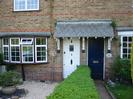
23	53
15	45
36	46
124	34
8	49
26	5
32	44
27	44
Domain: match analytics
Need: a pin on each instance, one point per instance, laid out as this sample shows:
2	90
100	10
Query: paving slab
102	90
37	90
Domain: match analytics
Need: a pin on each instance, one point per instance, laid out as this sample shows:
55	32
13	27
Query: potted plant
8	81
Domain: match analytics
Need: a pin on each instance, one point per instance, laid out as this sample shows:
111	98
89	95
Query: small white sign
108	55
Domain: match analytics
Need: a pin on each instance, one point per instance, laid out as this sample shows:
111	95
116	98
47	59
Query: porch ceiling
24	34
86	28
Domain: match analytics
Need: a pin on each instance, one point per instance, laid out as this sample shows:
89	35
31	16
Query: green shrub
9	78
78	85
1	58
10	67
121	69
122	91
113	24
132	61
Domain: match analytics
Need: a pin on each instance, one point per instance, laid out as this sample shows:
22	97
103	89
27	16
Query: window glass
126	47
23	5
124	44
41	53
71	48
129	56
40	41
130	39
15	53
125	50
32	4
20	4
27	41
27	53
5	41
14	41
125	39
6	53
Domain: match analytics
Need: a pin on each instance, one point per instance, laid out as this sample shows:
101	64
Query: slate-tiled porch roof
86	28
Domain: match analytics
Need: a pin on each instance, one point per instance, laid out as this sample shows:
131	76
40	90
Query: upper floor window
26	5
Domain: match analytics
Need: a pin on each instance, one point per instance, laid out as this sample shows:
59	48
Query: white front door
71	55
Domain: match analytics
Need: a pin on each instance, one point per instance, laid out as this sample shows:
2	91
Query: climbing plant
113	24
132	61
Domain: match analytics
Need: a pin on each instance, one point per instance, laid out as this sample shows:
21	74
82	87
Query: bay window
25	50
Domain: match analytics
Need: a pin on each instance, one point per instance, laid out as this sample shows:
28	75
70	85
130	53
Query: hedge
132	61
78	85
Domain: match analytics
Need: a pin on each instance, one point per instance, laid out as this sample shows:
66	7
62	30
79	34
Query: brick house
48	39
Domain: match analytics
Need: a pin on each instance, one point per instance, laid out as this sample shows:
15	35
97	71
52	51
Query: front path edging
109	92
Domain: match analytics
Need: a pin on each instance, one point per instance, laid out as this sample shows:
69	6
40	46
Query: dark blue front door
95	57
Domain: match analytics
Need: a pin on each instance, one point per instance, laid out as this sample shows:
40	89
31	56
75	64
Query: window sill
34	10
26	63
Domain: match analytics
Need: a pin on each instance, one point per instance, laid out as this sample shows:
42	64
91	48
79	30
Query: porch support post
58	44
83	44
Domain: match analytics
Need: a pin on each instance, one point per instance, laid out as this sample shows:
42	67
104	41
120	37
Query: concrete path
37	90
102	90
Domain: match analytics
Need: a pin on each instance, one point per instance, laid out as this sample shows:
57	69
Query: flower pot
8	90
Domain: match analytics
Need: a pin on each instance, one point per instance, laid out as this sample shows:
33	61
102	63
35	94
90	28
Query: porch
85	42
